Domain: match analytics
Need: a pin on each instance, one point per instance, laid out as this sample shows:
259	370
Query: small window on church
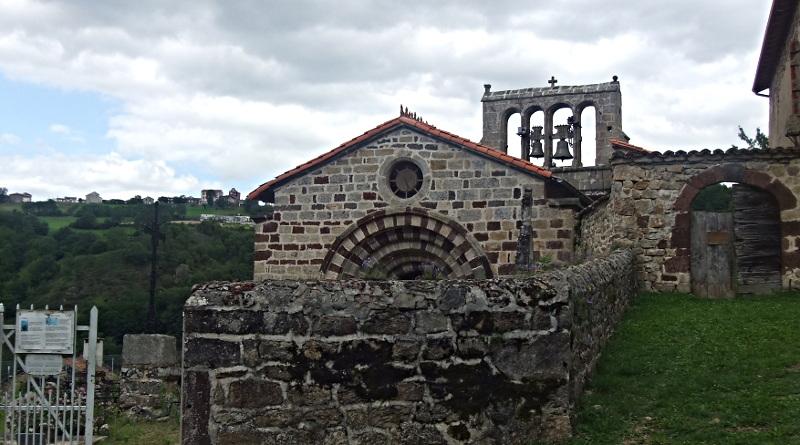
405	179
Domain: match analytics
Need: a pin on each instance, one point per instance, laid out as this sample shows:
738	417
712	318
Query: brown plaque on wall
718	238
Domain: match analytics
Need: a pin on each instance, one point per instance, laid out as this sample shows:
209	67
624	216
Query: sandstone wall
480	195
596	231
396	362
649	208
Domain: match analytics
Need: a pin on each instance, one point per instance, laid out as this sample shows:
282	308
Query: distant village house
18	198
94	198
211	196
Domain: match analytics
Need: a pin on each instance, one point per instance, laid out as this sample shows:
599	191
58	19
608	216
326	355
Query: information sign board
45	332
43	364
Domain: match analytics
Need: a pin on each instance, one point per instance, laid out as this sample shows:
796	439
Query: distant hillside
104	260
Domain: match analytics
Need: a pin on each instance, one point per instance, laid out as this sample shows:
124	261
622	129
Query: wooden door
712	254
757	229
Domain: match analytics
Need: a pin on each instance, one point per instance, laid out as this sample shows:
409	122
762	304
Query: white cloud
112	176
8	138
238	92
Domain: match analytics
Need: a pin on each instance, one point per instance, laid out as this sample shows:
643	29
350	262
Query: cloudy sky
165	98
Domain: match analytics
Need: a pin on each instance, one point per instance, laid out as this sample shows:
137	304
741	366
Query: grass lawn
123	431
57	222
684	370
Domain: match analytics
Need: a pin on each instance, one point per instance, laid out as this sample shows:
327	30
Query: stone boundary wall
649	209
150	375
397	362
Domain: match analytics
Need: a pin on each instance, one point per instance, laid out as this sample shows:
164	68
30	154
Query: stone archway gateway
401	244
726	253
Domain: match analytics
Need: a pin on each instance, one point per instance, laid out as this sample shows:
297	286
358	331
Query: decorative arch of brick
731	172
402	244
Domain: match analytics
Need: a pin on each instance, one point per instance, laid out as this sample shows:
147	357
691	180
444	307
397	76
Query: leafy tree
760	141
86	221
110	269
3	195
42	208
253	208
714	198
211	197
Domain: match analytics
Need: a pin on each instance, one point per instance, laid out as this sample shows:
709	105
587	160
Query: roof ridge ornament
405	113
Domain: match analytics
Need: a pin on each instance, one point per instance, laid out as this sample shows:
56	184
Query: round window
405	179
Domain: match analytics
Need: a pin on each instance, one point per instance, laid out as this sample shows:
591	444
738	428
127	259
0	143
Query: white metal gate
41	403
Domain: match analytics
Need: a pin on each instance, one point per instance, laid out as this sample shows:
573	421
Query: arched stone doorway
701	243
402	243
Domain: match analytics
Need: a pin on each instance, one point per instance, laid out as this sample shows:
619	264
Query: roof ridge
412	120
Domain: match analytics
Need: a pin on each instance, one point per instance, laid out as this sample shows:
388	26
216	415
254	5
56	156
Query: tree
46	208
714	198
761	141
136	200
211	197
3	195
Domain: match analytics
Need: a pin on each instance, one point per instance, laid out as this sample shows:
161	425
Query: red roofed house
779	71
405	199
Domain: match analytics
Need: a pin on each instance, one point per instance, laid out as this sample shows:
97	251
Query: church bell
537	151
536	143
562	147
562	151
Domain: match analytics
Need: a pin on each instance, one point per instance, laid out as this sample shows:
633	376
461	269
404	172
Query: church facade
405	199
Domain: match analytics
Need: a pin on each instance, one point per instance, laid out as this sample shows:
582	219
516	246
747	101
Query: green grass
57	222
684	370
124	431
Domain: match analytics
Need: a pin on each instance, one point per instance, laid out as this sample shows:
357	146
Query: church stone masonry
404	196
606	98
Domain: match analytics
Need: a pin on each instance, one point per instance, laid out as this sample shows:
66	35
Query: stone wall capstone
150	374
397	362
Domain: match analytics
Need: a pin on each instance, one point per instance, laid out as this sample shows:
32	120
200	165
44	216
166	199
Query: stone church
406	198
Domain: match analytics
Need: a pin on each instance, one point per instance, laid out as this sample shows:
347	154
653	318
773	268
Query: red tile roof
626	146
408	121
779	25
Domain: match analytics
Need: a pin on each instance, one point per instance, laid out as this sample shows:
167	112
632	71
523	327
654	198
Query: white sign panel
45	332
43	364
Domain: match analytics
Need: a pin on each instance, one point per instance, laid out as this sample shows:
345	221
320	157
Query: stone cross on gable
552	81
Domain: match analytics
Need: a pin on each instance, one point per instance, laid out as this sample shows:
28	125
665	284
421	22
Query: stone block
334	325
253	393
149	349
429	323
210	352
195	408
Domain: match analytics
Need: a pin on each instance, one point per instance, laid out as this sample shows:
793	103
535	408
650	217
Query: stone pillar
576	159
525	140
548	138
523	260
150	374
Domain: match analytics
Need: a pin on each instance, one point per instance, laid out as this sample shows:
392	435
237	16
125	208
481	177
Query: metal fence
49	400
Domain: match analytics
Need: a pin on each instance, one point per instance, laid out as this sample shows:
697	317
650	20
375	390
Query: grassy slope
682	370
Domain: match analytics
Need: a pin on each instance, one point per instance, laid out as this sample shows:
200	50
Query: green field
684	370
